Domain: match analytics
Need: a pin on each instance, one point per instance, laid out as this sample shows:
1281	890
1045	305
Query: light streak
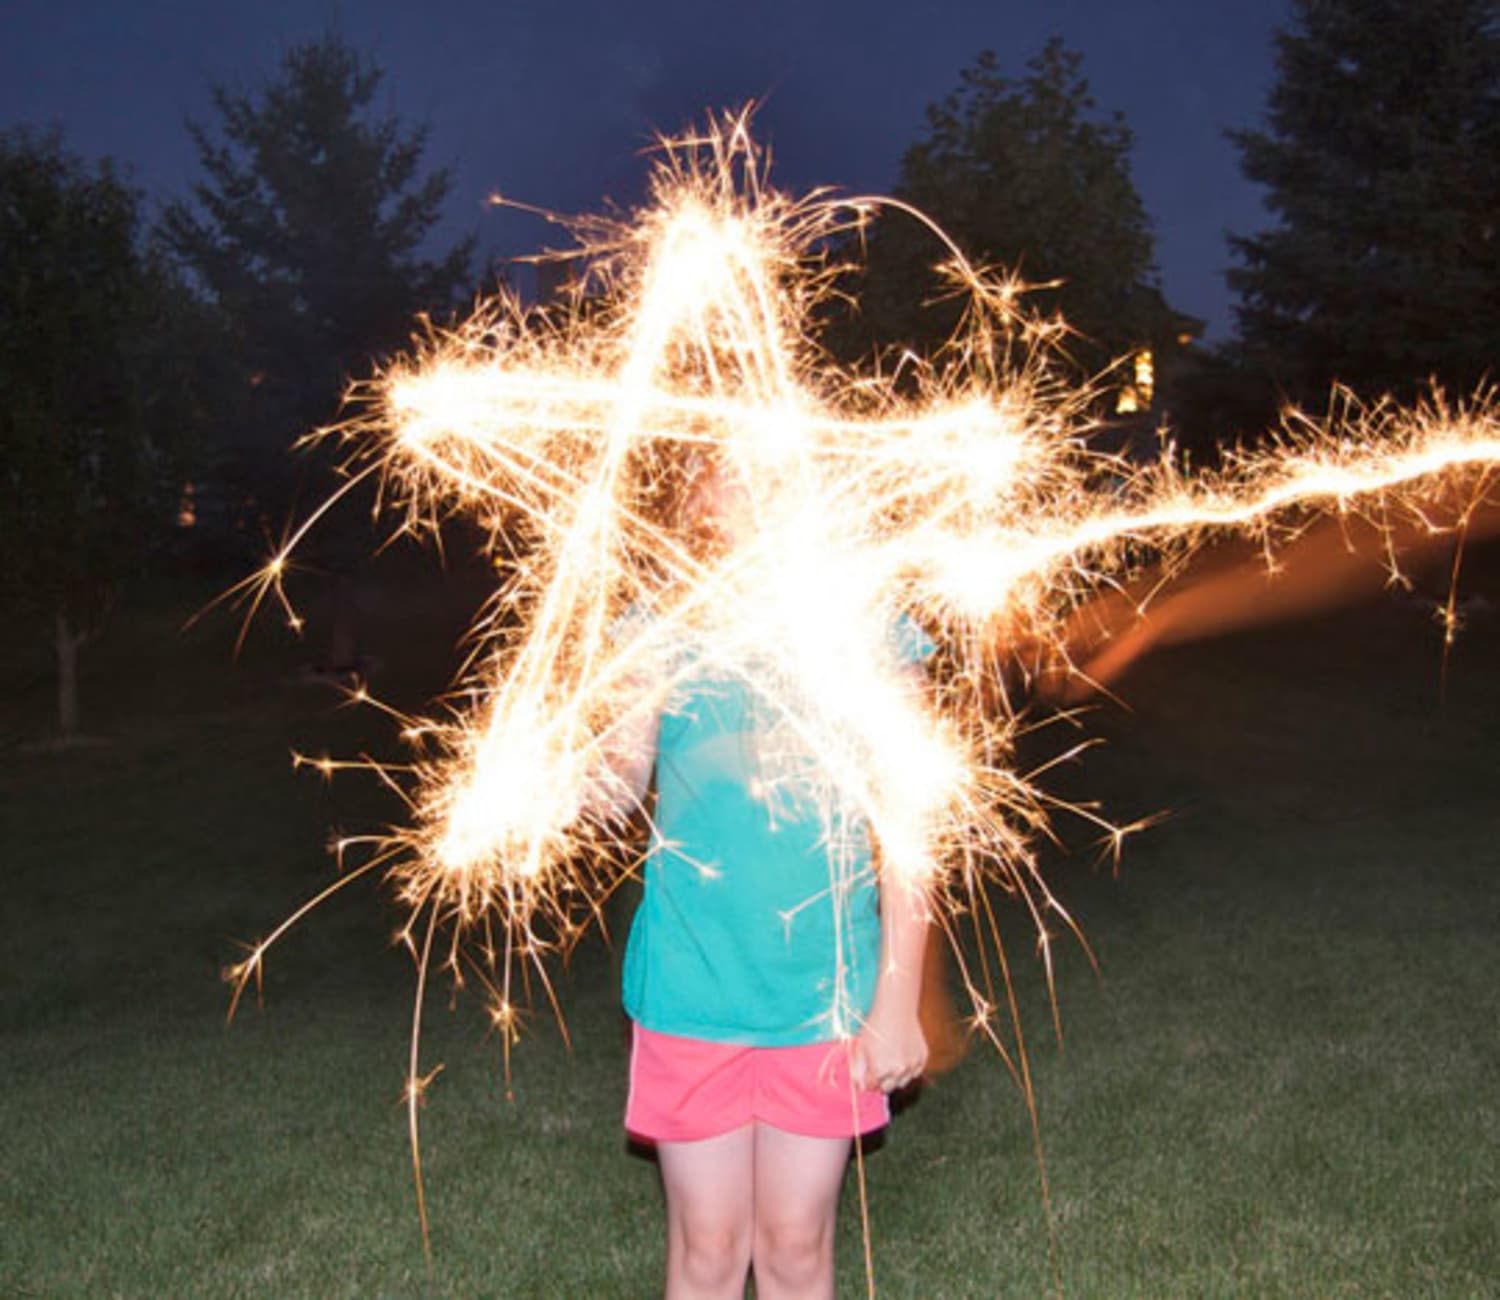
958	494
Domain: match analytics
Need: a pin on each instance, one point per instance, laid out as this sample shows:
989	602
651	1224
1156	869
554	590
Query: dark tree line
148	373
1380	272
100	390
1380	155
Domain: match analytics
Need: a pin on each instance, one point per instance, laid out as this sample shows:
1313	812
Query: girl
740	957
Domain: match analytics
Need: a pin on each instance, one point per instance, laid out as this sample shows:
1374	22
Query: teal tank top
747	930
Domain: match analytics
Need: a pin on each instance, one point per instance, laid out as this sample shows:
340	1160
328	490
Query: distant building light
1145	374
187	507
1141	391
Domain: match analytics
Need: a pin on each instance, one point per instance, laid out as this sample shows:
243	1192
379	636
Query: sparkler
957	494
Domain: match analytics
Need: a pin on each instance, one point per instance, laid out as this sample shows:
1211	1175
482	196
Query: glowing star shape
958	497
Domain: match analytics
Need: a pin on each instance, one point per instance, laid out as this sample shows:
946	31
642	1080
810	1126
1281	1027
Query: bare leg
797	1183
710	1214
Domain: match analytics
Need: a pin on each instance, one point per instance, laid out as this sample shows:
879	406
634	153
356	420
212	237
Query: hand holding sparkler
890	1051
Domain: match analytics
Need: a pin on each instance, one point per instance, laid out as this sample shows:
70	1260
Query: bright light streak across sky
958	496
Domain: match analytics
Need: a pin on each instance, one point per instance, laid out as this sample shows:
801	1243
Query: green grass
1282	1081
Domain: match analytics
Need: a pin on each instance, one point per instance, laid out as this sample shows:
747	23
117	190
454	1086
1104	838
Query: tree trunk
67	642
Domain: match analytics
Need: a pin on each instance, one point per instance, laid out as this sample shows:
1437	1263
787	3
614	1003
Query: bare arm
628	751
890	1049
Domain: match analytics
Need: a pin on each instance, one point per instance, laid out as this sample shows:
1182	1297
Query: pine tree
1381	159
307	235
1026	175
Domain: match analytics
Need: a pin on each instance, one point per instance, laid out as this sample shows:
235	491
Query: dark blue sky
551	101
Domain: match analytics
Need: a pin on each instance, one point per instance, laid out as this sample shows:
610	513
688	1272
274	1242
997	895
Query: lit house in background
1141	384
1138	392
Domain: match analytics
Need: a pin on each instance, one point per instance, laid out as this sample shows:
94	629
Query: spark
956	494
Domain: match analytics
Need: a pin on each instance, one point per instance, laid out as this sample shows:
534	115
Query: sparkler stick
964	500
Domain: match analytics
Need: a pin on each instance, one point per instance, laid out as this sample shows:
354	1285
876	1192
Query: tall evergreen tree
1025	174
1381	160
307	234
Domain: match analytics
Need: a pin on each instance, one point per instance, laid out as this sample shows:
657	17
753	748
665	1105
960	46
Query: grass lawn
1283	1081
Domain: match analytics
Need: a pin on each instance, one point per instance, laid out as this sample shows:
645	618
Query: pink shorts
685	1089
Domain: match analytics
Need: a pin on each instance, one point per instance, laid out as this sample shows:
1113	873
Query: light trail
962	499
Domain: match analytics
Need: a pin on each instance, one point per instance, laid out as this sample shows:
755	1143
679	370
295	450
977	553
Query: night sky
552	101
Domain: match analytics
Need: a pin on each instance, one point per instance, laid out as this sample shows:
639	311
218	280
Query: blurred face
720	504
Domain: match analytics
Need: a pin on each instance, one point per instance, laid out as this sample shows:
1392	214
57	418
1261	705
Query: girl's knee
796	1255
708	1252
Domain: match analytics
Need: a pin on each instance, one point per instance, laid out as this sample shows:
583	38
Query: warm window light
1140	392
1145	375
187	507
